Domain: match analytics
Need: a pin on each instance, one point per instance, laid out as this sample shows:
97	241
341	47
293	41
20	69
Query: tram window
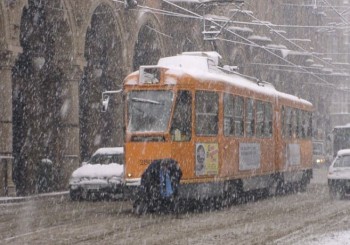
268	120
304	124
294	123
298	126
207	109
263	119
249	120
260	111
284	122
228	115
181	128
238	116
309	124
288	122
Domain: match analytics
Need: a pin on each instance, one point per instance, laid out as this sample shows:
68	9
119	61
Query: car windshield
149	111
342	162
107	159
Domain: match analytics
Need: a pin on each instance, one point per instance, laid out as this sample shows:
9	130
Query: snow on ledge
216	17
276	46
257	38
240	29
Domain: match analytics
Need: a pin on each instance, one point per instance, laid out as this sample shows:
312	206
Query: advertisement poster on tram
207	159
293	154
249	156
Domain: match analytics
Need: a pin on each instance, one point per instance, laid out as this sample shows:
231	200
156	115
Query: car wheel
337	193
75	195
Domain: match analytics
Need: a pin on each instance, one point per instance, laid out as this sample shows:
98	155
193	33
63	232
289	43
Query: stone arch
72	27
147	52
104	71
42	98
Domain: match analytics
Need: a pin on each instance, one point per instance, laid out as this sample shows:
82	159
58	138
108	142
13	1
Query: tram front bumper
133	182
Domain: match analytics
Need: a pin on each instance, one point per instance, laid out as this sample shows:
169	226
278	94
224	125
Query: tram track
280	220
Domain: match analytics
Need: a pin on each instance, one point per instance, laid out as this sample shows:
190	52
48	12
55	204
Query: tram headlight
129	175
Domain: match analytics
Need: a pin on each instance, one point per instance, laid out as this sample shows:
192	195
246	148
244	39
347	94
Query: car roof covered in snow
344	152
343	126
109	151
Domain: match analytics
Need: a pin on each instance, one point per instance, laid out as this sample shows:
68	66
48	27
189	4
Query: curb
4	200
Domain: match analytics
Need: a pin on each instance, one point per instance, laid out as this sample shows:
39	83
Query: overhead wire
249	41
340	15
174	14
293	43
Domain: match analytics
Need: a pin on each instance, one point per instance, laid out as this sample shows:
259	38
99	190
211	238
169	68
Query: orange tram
229	135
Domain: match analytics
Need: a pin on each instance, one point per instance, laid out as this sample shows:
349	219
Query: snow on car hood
99	171
338	172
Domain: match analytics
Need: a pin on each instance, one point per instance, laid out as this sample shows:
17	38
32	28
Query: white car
101	176
339	175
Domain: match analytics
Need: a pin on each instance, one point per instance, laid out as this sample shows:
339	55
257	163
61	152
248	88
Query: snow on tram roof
204	66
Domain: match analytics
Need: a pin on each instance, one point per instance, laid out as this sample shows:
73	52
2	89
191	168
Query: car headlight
320	160
115	180
74	180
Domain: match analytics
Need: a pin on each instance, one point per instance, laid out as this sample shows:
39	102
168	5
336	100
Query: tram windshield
149	110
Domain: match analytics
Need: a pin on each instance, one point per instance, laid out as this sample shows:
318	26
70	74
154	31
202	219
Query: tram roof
204	66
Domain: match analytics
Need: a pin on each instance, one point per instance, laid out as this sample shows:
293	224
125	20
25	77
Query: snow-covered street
302	218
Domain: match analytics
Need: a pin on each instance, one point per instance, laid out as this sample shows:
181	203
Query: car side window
342	162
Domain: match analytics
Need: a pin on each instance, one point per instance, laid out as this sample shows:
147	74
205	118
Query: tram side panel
294	152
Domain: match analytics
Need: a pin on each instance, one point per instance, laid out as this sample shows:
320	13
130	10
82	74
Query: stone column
7	186
70	126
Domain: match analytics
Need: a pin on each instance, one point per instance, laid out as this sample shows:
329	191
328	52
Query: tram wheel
140	208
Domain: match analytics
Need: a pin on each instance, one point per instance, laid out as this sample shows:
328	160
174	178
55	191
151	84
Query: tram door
181	133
